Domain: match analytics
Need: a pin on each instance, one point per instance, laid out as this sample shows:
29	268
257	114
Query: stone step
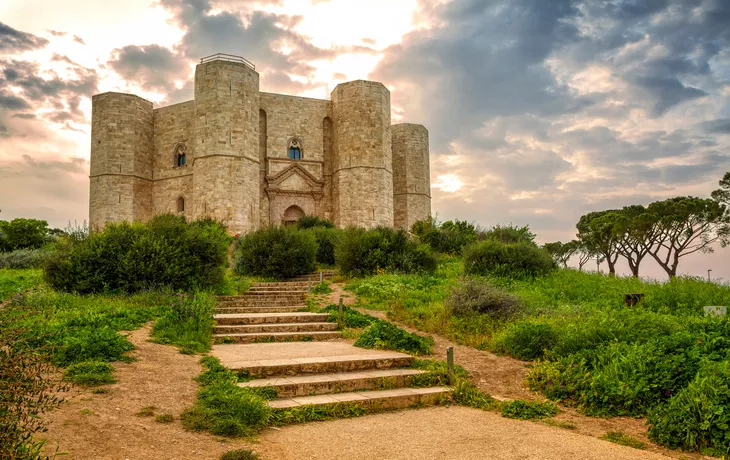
259	309
249	294
275	337
322	365
269	318
316	384
399	398
275	327
275	290
282	284
261	303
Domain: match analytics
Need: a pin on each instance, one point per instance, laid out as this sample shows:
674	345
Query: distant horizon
538	112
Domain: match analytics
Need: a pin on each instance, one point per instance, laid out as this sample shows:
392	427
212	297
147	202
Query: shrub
449	237
697	418
24	258
327	239
240	454
276	252
527	340
471	297
384	335
90	373
509	234
132	257
364	252
514	260
529	410
306	222
23	234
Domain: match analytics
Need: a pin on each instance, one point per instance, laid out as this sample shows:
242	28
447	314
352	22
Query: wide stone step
274	337
283	284
322	364
275	291
316	384
270	293
261	303
399	398
275	327
269	318
259	309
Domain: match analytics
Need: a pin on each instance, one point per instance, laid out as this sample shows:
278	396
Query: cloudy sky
538	110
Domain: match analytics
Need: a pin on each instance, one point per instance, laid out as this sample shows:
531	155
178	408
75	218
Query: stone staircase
309	373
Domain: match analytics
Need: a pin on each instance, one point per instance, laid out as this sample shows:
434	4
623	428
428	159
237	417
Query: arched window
180	155
295	149
181	204
292	215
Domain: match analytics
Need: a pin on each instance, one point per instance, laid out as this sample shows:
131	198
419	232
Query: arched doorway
292	215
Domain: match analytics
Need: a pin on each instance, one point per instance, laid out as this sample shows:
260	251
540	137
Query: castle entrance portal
292	215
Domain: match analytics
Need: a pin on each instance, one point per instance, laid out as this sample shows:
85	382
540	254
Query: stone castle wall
353	170
411	174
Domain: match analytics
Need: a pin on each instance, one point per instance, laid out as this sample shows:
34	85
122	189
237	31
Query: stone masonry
227	154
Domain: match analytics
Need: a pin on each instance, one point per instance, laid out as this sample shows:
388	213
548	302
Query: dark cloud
11	102
719	126
15	41
152	67
668	92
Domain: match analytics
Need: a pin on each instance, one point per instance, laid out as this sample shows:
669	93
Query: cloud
79	40
668	92
719	126
15	41
152	67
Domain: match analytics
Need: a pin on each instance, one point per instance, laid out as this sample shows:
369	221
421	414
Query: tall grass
14	281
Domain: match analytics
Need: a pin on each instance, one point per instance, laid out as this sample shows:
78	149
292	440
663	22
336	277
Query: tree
636	231
584	254
596	231
722	195
562	252
23	233
686	225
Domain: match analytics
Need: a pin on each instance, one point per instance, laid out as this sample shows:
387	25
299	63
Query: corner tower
411	174
226	170
362	172
121	159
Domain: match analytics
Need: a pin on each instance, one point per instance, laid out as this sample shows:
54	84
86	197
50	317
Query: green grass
187	323
14	281
240	454
90	373
165	418
619	437
529	410
559	423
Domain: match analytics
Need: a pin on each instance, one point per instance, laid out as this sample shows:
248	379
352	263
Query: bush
327	239
23	234
364	252
697	418
471	297
449	237
509	234
131	257
276	252
90	373
529	410
514	260
24	258
527	340
386	336
306	222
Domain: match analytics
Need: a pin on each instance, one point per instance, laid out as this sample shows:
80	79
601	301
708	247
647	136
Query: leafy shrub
24	258
529	410
240	454
27	389
306	222
90	373
509	234
364	252
276	252
471	297
387	336
327	239
187	322
515	260
527	340
448	237
132	257
697	418
23	234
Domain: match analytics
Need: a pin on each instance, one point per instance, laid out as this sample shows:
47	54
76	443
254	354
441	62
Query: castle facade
251	159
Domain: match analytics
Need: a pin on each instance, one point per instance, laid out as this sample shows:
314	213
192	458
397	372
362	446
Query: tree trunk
611	268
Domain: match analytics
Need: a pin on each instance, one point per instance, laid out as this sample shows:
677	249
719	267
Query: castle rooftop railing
227	57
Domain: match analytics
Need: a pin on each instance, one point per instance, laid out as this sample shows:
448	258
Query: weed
240	454
90	373
471	297
466	394
321	288
187	322
437	373
387	336
559	423
619	437
164	418
87	412
304	414
147	411
529	410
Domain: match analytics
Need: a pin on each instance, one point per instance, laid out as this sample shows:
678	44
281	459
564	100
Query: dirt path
104	426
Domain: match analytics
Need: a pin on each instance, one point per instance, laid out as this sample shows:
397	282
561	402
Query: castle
251	159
